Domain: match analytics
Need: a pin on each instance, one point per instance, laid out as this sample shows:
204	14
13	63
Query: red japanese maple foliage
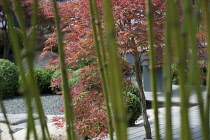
130	21
77	33
131	24
44	23
131	31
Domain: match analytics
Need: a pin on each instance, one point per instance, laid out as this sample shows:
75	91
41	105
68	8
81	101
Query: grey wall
146	79
130	59
146	75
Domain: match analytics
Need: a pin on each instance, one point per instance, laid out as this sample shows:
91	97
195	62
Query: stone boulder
39	61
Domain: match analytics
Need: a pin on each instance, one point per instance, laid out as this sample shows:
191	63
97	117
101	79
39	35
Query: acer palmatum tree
131	30
132	26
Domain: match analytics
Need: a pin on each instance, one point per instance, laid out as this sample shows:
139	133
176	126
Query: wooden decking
175	97
137	132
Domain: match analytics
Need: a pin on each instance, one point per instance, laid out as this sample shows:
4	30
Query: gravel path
51	104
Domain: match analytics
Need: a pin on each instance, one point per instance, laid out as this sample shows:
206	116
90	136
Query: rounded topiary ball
132	106
134	89
8	78
42	77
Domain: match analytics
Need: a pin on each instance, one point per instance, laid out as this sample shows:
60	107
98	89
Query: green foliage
74	78
9	78
175	74
19	36
133	105
133	89
203	71
49	71
42	77
56	80
80	64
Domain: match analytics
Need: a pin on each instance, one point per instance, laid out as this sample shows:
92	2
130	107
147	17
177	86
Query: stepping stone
21	126
15	119
41	62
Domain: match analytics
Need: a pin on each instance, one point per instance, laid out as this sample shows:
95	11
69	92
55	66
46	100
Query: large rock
19	130
56	134
16	119
41	62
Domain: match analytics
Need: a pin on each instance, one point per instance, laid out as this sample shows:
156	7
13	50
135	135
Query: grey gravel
51	105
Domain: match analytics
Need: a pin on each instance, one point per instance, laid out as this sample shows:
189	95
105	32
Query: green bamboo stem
102	46
191	27
115	84
100	65
18	59
32	45
65	86
103	50
6	119
104	61
34	21
100	33
153	84
205	6
167	72
184	94
29	50
180	51
101	41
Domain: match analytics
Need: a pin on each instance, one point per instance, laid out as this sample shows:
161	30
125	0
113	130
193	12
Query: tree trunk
142	96
6	50
6	44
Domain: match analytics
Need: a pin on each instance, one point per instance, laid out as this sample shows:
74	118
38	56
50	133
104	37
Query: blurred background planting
104	57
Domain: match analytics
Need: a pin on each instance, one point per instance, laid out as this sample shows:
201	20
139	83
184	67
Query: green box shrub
132	106
8	78
43	78
174	74
134	89
203	72
132	102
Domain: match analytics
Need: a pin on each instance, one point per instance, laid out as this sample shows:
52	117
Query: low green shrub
50	71
43	77
8	78
134	89
132	102
132	106
80	64
203	71
174	74
56	77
